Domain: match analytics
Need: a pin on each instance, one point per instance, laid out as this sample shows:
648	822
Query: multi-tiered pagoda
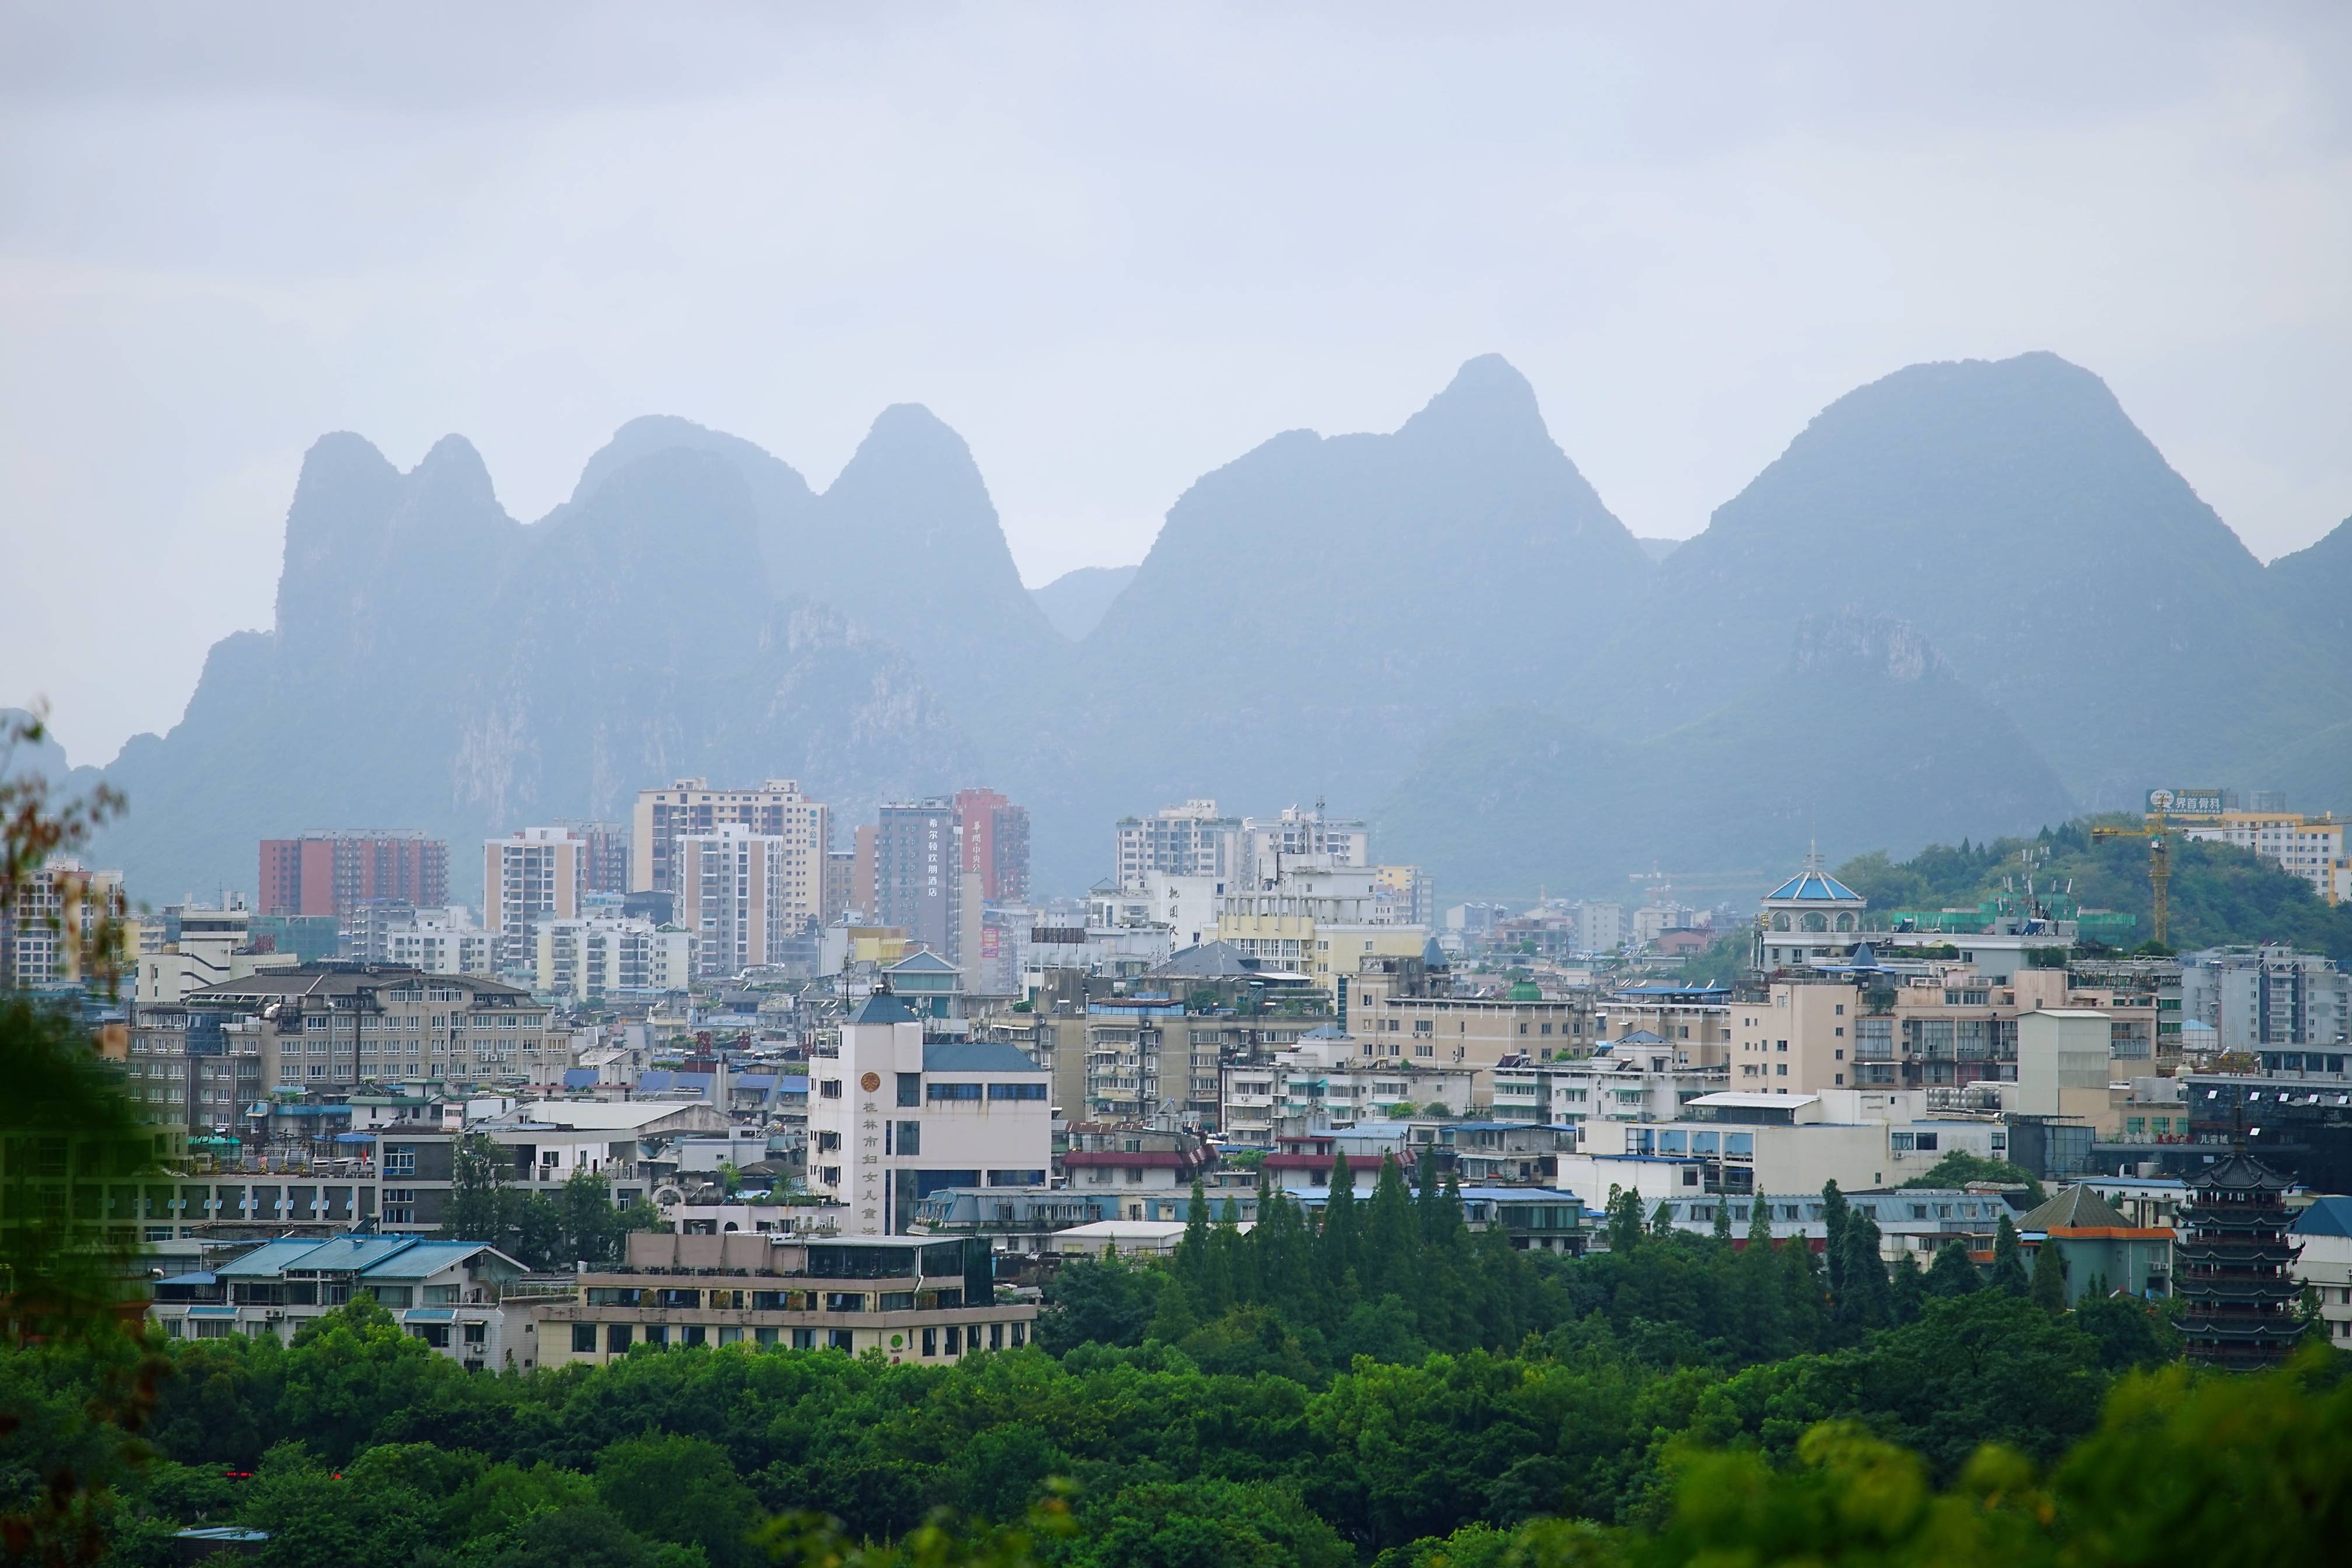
2231	1267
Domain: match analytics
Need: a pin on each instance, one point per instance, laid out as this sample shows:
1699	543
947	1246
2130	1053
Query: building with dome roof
1811	918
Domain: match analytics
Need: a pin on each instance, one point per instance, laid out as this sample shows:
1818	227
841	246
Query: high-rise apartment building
604	855
1187	840
840	883
530	874
777	809
919	873
742	895
332	873
1268	841
56	910
995	844
2254	998
861	870
2311	848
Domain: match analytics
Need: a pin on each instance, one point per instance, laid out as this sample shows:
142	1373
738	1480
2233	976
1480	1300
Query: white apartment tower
742	894
530	874
1187	840
776	809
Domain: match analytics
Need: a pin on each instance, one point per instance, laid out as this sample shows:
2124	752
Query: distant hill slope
437	664
1445	618
2219	894
1829	747
1659	549
2013	513
1304	609
1074	603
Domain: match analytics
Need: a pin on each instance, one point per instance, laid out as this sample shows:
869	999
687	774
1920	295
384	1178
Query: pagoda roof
2239	1173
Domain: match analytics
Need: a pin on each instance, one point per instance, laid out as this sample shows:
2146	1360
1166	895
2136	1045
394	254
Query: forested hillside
2221	894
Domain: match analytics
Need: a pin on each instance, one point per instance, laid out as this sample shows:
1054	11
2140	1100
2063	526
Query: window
910	1088
616	1337
803	1339
931	1342
840	1340
954	1091
1020	1335
909	1138
1016	1092
955	1340
995	1336
584	1339
830	1088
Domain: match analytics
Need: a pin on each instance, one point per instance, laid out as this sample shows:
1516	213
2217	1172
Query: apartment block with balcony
776	809
331	873
909	1299
334	1026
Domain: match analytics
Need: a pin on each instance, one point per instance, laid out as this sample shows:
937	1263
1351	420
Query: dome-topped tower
1811	918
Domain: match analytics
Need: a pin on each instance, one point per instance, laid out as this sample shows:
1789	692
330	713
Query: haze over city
1113	250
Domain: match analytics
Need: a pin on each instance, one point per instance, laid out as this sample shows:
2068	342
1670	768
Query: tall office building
919	873
995	844
334	873
737	894
777	809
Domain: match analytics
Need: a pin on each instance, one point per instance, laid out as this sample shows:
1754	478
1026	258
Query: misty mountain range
1969	599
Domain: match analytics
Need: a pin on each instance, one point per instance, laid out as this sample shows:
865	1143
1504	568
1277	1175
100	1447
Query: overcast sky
1114	246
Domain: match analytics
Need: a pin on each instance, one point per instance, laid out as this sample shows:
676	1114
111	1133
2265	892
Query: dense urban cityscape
736	1073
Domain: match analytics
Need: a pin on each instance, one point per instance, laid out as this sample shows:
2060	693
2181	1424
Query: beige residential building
531	874
2311	848
334	1026
776	809
1935	1026
1320	918
596	956
744	895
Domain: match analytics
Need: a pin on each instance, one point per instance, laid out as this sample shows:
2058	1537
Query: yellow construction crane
2160	865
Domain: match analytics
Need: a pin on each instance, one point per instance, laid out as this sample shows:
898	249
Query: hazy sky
1114	246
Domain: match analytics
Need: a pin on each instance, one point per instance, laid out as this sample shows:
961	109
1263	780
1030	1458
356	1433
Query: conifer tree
2008	1261
2049	1285
1428	1194
1233	1263
1908	1295
1954	1273
1662	1219
1864	1301
1834	1215
1764	1334
1624	1220
1805	1307
1388	1250
1191	1268
1723	1220
1336	1254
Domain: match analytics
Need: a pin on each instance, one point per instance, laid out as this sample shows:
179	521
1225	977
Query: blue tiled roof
882	1007
579	1077
2325	1216
1815	885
